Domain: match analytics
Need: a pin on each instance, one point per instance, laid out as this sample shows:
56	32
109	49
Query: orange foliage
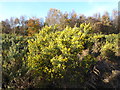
33	26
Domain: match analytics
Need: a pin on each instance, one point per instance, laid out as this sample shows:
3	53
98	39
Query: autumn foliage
33	25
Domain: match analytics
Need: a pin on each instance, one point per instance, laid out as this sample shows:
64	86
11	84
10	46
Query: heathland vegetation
64	51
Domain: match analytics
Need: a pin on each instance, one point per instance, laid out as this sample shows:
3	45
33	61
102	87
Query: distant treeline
100	23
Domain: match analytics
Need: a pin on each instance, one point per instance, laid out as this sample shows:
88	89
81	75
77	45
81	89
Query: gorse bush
14	51
55	55
106	45
69	58
111	48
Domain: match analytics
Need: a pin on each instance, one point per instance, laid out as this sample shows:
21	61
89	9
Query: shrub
14	50
106	45
55	55
110	47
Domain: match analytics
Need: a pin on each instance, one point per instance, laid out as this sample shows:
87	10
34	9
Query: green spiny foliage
54	57
110	47
107	45
14	50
